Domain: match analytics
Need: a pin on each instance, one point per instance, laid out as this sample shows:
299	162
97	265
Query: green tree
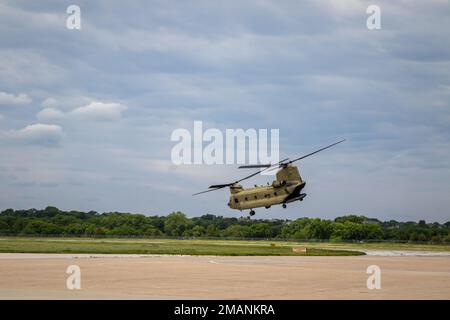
236	231
260	230
198	231
447	238
297	229
75	229
50	211
4	227
212	231
122	230
351	218
152	231
319	229
372	232
176	224
347	231
42	227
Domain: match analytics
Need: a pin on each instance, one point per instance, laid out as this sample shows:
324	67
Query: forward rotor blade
208	190
310	154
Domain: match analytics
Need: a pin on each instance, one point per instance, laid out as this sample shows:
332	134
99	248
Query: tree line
53	221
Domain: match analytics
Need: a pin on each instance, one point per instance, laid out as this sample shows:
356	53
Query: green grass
160	246
196	246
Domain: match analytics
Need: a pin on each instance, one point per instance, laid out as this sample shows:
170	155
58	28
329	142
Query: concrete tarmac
43	276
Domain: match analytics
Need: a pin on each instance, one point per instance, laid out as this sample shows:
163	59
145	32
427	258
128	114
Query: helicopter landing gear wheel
284	205
251	213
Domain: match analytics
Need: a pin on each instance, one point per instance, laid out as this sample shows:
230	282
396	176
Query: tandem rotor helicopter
285	189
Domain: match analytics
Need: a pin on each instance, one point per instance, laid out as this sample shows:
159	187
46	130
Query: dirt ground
43	276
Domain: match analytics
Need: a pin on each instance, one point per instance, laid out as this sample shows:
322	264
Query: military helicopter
285	189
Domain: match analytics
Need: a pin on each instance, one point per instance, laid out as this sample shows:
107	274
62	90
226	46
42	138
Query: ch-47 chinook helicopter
285	189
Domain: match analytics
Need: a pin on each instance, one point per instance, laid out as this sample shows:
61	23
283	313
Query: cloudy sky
86	115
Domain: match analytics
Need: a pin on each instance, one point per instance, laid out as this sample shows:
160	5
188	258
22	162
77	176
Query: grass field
197	246
161	246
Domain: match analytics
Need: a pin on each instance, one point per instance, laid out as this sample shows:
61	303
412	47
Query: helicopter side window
256	197
236	200
246	199
274	193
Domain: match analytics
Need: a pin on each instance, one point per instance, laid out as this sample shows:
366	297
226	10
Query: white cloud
38	133
12	99
95	110
50	114
22	67
99	111
49	103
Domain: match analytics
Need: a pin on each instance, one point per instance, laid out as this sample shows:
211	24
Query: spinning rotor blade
215	187
252	175
210	190
250	166
267	167
220	185
310	154
280	164
262	165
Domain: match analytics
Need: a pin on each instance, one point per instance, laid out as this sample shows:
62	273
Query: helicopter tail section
289	173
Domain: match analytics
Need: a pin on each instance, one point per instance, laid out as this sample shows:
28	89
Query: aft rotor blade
251	166
220	185
261	165
266	168
310	154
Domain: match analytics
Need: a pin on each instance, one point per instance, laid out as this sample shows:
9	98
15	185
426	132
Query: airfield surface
43	276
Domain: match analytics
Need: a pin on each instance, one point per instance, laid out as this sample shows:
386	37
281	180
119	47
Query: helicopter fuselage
286	188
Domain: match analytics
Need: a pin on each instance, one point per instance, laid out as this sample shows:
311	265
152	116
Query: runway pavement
43	276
